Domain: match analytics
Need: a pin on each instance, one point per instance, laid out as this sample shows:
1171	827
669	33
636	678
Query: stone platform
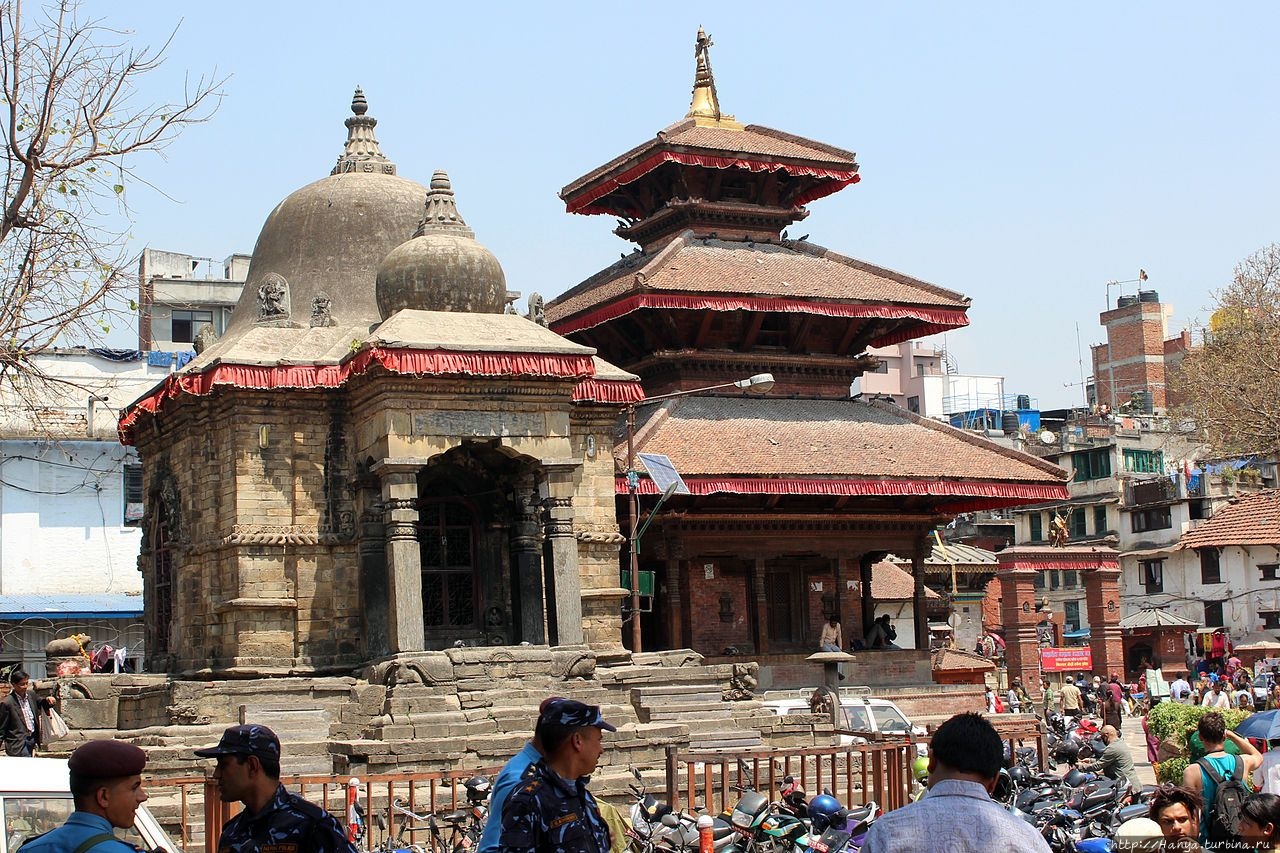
455	710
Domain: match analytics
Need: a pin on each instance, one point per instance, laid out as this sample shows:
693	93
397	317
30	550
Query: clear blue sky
1022	154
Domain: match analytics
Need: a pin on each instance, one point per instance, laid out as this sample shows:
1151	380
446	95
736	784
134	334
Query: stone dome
443	267
321	246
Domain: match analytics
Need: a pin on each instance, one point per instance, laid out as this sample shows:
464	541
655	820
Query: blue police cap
245	740
570	712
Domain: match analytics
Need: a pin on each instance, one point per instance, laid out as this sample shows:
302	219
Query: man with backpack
1220	778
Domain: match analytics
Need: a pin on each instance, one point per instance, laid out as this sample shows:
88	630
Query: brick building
1130	370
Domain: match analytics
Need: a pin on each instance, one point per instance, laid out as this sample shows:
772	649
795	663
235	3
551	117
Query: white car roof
34	775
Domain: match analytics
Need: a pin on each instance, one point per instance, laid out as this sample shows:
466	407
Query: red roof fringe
935	319
836	178
307	376
608	391
1041	564
941	488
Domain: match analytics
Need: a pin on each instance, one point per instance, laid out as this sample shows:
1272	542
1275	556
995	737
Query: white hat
1138	829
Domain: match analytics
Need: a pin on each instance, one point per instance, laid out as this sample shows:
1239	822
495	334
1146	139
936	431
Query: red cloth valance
835	178
608	391
933	320
400	361
816	486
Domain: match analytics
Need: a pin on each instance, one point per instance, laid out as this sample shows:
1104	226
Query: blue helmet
821	810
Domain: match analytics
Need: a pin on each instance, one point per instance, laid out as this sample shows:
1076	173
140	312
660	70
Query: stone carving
187	715
601	537
321	312
271	534
273	299
204	338
824	703
170	503
570	663
511	297
537	310
742	683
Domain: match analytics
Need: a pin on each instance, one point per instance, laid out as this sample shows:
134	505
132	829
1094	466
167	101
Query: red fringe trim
407	362
1043	564
934	319
837	178
608	391
1022	493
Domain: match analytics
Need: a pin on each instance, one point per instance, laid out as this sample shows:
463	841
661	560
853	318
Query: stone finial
362	153
705	103
440	214
537	310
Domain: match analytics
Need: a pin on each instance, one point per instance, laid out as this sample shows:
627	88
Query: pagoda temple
796	494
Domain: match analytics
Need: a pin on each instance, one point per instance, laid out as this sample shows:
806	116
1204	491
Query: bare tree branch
1230	385
71	126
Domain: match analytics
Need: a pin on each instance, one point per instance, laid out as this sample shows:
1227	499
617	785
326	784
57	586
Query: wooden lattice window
448	565
162	584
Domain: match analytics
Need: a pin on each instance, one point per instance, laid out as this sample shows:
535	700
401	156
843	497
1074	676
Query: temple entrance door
780	587
448	537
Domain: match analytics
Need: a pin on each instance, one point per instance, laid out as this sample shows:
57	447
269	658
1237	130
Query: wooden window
1071	612
134	506
1100	520
1210	569
1151	573
1037	526
1144	461
1091	464
448	565
1151	518
1213	614
1078	520
1268	571
1270	619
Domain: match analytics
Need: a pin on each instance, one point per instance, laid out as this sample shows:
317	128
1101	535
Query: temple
794	495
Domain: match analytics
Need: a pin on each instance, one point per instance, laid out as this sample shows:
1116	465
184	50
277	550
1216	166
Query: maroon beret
107	759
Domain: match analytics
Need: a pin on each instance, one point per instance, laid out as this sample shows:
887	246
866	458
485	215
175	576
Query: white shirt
1180	690
1267	777
1215	699
24	702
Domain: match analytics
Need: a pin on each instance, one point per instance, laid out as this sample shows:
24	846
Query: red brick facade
1137	356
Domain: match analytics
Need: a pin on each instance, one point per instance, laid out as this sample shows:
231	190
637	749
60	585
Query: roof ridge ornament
362	153
440	214
704	108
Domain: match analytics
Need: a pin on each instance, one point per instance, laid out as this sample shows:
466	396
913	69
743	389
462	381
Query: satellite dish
1047	437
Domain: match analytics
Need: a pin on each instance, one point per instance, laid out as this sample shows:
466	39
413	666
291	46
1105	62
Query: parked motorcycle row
793	823
1076	811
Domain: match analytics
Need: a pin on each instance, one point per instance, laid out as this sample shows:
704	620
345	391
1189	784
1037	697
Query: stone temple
378	457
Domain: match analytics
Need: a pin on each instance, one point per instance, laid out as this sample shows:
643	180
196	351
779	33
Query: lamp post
760	383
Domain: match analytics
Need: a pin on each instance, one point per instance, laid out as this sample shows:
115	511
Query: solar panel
662	472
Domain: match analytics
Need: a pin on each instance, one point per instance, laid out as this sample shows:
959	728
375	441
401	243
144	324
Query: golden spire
705	103
705	106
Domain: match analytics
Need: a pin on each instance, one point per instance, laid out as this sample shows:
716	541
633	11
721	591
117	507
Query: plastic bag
57	728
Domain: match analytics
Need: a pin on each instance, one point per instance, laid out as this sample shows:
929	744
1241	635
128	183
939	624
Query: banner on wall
1067	660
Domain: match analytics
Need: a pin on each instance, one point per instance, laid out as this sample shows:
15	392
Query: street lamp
760	383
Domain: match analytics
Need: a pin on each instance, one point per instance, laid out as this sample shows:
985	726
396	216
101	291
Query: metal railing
190	810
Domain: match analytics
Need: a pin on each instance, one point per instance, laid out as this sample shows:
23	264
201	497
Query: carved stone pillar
404	557
918	610
372	554
526	588
675	633
564	553
760	588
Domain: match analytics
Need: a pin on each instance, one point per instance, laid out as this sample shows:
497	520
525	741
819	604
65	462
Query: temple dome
326	239
443	267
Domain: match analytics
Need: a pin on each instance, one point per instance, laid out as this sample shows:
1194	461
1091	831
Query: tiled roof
1252	519
753	141
958	659
765	437
889	582
1157	617
960	554
794	270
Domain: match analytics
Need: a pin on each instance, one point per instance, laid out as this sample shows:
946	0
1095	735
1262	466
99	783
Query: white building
179	294
71	501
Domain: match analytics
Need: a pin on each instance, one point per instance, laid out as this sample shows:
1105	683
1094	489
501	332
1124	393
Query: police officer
552	811
106	784
273	819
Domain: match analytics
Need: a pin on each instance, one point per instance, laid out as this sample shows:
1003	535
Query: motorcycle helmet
1069	751
1075	778
920	768
477	788
821	810
1020	776
1004	787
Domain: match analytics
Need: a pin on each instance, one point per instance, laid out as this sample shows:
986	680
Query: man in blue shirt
512	772
551	811
106	783
957	815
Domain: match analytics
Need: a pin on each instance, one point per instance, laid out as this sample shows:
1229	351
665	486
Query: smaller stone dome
442	267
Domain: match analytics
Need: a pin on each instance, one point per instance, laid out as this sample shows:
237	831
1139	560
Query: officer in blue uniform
551	811
273	820
106	784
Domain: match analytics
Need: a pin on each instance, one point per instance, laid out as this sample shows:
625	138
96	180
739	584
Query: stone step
680	714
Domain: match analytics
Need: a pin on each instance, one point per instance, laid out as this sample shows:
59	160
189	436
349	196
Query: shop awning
15	608
1082	634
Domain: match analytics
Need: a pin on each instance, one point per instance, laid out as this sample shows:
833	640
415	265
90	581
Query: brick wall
707	629
1134	357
